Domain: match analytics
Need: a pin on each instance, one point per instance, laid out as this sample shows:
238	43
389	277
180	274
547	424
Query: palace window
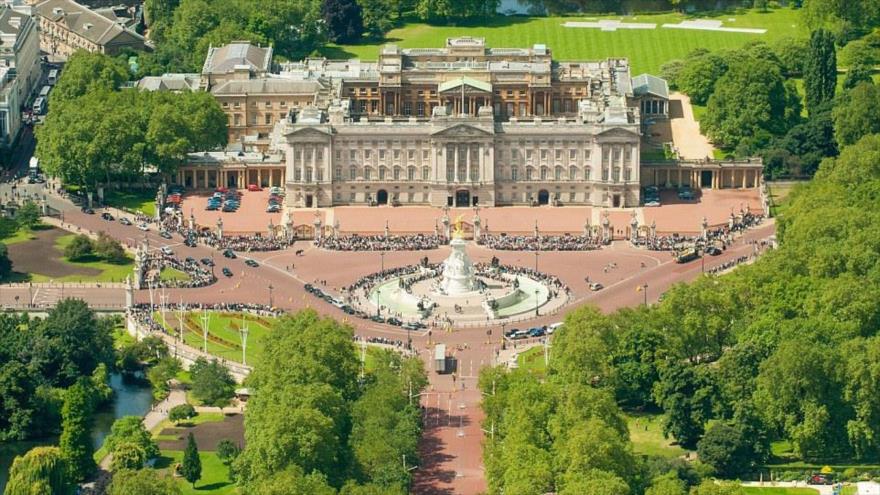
368	173
544	173
411	173
381	154
352	173
338	175
407	108
514	174
558	173
382	173
352	155
420	109
626	174
528	173
450	173
572	173
426	173
396	173
268	118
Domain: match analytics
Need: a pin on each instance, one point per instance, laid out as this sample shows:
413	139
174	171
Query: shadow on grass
212	486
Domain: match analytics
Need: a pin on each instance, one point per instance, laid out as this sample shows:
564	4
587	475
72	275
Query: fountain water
458	270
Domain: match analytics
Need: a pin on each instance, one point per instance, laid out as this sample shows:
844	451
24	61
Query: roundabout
458	291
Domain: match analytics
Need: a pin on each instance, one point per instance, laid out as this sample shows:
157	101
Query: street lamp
536	301
382	262
378	304
270	295
205	319
243	332
645	291
536	260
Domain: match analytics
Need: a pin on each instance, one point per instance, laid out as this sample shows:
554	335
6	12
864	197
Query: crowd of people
197	276
413	242
727	265
495	270
564	242
242	243
723	234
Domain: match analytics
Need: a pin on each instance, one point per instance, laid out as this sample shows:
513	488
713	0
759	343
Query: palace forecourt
462	125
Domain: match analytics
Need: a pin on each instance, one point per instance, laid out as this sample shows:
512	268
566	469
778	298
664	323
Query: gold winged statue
458	232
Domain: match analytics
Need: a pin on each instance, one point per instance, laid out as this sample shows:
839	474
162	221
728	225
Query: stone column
455	150
744	178
259	177
302	164
469	148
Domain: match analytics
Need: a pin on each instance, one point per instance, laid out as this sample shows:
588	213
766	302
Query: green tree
108	248
344	20
594	482
86	72
699	75
820	69
5	262
142	482
127	456
227	451
293	480
17	409
72	342
377	16
181	412
76	443
857	114
80	247
857	74
131	430
160	374
668	484
728	449
445	11
191	465
28	216
40	470
862	388
685	394
791	52
748	101
211	382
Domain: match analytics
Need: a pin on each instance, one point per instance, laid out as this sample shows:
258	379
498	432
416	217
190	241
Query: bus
40	106
53	77
686	255
44	91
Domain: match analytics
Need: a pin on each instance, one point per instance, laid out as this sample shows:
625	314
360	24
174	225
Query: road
451	444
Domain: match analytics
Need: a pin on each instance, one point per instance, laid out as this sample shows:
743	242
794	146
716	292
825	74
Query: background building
20	69
67	26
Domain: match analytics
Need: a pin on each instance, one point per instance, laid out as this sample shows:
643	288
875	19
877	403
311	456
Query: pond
132	398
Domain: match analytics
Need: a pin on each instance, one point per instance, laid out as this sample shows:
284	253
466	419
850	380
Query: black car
107	216
207	261
509	333
309	287
251	263
124	221
190	260
377	319
713	251
227	272
229	254
189	242
394	321
87	210
348	310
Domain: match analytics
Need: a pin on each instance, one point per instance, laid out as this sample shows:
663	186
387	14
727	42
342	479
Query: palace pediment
461	131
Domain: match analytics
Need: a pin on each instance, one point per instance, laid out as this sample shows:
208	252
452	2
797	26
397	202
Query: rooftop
83	21
237	55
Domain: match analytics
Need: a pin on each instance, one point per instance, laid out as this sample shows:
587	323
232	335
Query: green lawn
646	434
200	418
225	327
215	475
532	360
779	196
136	200
110	272
752	490
646	49
168	274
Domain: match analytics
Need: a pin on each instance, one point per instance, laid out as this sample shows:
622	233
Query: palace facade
460	125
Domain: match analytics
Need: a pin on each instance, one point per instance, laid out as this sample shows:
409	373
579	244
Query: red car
254	187
222	189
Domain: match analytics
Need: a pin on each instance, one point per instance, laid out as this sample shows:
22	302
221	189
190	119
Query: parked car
553	327
229	254
165	234
143	227
167	251
207	261
227	272
124	221
87	210
190	260
685	193
251	263
596	286
713	251
107	216
537	332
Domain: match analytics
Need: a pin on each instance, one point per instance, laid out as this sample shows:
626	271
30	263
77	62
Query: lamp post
243	332
536	301
645	292
378	304
382	261
536	261
205	319
270	295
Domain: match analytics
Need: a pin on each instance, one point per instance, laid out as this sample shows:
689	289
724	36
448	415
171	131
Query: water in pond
132	398
520	7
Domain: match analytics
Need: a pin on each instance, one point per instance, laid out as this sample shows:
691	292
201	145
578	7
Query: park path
154	417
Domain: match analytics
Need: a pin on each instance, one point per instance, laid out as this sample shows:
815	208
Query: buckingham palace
466	125
460	125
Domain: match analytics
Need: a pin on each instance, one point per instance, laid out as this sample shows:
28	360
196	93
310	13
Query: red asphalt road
451	443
